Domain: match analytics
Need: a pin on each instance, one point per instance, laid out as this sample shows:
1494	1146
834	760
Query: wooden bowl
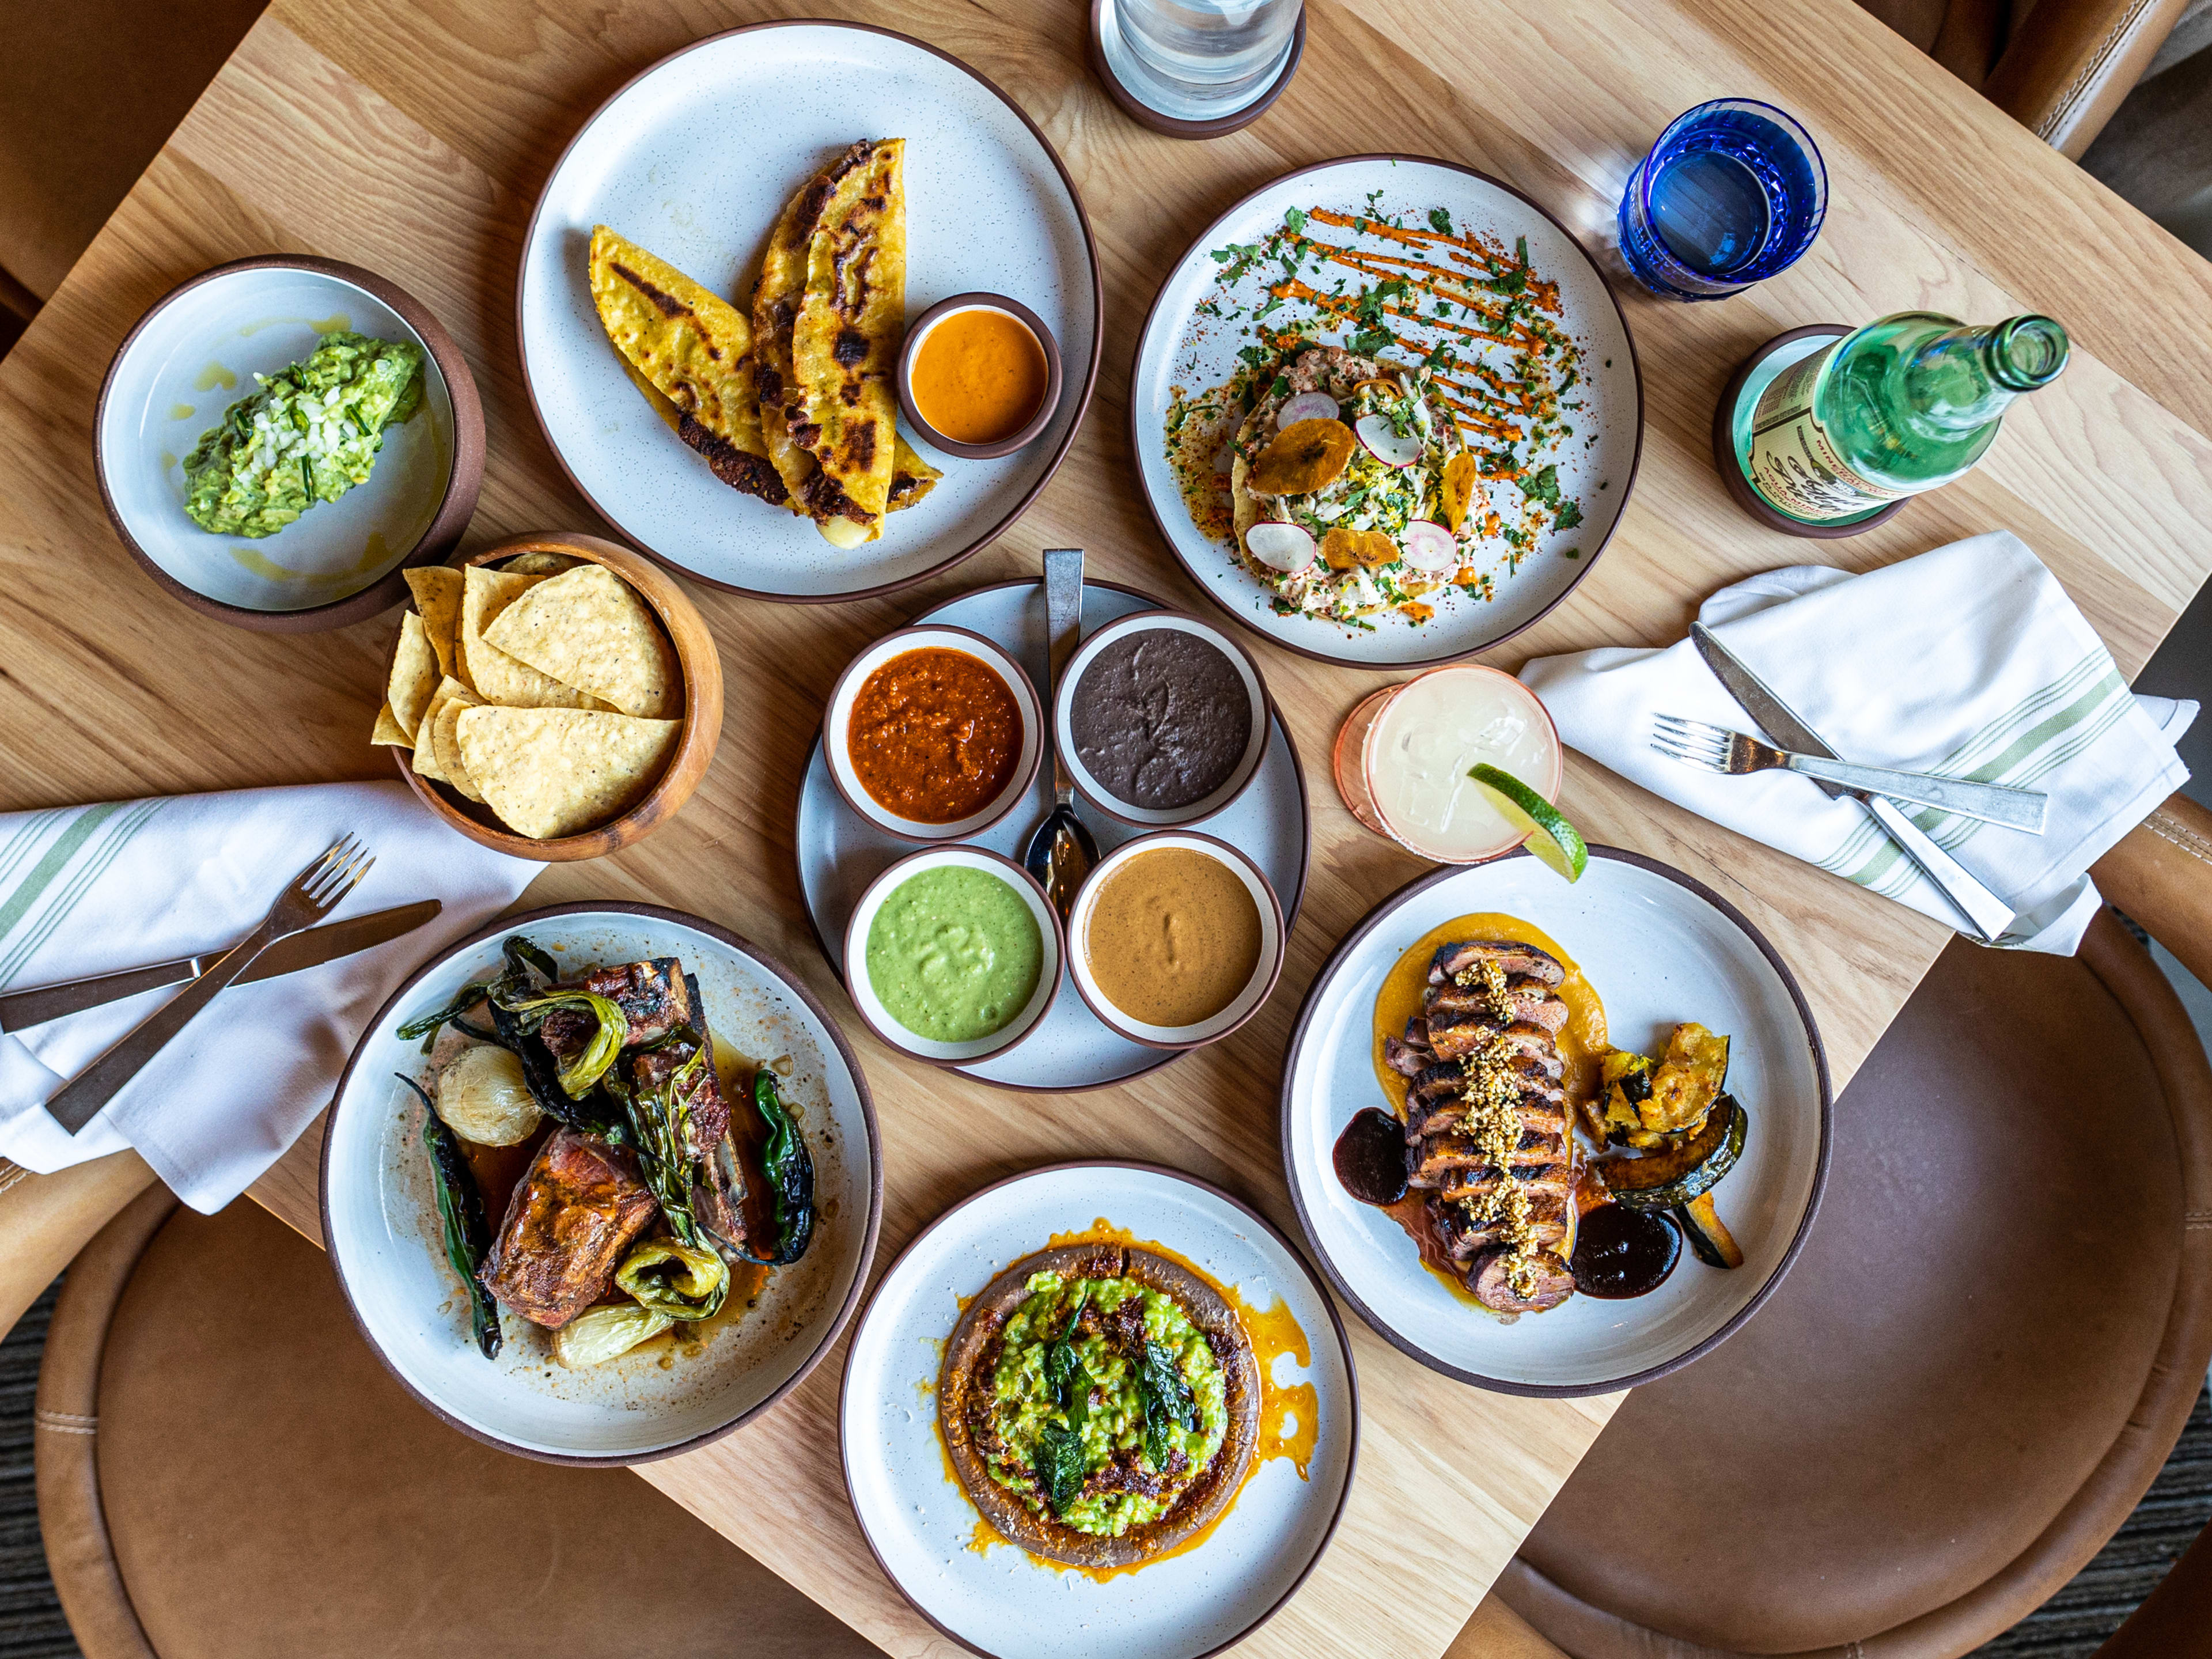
695	748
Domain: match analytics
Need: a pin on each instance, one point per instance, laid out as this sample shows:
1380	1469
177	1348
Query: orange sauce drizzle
1290	1414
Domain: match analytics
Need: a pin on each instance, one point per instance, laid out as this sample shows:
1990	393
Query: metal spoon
1061	852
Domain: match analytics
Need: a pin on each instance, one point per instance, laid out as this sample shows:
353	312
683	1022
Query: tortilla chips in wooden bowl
554	696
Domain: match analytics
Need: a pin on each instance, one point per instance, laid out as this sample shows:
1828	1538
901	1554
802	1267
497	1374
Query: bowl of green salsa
953	955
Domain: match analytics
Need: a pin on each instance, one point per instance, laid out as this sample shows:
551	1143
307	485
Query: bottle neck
1963	378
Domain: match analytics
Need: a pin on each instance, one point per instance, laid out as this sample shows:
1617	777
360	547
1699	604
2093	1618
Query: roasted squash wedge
1710	1242
1692	1166
1688	1081
1625	1084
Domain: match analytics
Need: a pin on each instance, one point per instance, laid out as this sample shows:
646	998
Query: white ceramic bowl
838	721
1241	1007
1658	948
381	1219
999	1599
1069	684
193	355
878	1018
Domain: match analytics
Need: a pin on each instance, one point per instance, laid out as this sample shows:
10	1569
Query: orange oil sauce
979	376
1583	1043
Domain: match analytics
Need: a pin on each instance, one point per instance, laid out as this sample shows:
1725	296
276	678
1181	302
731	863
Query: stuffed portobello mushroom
1100	1404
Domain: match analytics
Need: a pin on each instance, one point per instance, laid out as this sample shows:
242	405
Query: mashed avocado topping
310	433
1107	1403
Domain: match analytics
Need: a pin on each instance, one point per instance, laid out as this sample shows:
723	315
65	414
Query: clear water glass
1199	53
1732	192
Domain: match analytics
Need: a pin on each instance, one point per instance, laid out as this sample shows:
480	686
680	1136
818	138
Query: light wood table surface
412	136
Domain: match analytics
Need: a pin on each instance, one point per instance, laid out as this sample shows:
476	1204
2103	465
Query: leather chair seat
1992	1336
253	1485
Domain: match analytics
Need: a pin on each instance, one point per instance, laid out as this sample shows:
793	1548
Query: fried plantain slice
1303	457
1342	549
1458	489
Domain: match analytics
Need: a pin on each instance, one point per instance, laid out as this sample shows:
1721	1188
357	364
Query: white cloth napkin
94	890
1970	661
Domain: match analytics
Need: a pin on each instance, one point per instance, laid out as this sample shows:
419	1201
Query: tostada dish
1100	1404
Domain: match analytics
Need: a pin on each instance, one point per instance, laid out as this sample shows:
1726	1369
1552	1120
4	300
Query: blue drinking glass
1732	192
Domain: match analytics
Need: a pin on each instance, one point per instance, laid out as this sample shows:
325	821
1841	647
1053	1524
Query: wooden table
412	136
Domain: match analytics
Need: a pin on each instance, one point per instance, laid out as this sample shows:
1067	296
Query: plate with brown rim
1657	947
839	852
1539	370
1211	1588
381	1219
989	206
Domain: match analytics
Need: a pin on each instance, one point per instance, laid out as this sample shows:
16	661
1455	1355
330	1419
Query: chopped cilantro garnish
1440	221
1294	221
1571	515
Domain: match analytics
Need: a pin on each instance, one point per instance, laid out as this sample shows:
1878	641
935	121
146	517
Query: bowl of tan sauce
979	376
1174	939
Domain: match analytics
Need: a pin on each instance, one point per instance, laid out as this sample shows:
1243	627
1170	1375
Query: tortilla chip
437	590
414	675
491	672
840	403
388	730
588	629
449	753
428	762
550	771
539	564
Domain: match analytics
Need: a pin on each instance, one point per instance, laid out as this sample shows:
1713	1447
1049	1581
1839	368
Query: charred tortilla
970	1414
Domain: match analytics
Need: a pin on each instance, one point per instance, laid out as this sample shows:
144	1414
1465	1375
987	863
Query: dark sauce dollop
1621	1253
1370	1157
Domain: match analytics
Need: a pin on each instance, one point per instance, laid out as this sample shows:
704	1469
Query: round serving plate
840	853
1659	948
380	1221
193	355
1184	348
999	1599
989	206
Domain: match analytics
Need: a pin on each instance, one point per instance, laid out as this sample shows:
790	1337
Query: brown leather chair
1996	1328
225	1472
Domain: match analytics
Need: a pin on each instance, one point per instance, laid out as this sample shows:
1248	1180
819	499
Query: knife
22	1009
1985	913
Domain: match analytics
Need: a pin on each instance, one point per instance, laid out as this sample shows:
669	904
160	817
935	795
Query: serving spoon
1061	851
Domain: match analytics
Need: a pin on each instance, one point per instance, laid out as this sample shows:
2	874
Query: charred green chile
790	1171
460	1207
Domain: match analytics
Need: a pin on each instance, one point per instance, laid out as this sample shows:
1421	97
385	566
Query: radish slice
1429	547
1282	547
1386	445
1306	406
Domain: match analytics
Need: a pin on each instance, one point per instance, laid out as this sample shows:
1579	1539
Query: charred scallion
460	1207
659	1119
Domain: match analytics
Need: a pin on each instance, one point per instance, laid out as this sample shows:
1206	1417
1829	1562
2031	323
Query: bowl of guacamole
279	438
1099	1404
953	955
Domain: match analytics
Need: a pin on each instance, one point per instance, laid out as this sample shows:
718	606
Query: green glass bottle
1902	406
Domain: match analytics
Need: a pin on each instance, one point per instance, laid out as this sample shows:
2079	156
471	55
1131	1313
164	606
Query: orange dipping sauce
934	735
979	376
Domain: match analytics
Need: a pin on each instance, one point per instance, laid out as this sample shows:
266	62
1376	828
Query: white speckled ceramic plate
694	160
1182	347
1000	1600
380	1222
1658	948
840	852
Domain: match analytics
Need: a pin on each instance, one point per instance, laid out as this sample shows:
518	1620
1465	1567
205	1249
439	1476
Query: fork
1716	747
311	896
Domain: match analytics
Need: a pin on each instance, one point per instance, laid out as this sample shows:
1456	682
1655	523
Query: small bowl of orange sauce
934	734
980	376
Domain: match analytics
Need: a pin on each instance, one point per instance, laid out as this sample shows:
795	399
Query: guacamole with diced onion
310	434
1115	1323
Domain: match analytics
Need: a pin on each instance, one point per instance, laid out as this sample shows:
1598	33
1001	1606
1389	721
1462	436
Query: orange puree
979	376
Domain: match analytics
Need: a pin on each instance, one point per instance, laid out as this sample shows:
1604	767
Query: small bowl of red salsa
934	734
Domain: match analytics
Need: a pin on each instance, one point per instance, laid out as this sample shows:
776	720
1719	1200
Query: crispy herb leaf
460	1207
1059	1466
1065	1373
1167	1399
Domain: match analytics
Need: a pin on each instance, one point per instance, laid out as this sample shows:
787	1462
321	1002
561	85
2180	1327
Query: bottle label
1795	464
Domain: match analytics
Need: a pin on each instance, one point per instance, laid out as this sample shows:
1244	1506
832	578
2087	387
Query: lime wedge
1545	832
